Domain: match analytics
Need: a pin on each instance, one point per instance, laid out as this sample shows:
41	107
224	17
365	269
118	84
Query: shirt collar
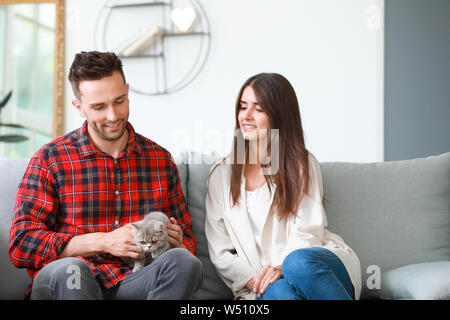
87	148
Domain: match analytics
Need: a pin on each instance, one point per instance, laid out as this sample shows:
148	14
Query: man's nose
112	114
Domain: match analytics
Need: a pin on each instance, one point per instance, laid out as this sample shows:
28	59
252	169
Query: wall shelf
139	4
161	55
181	34
167	75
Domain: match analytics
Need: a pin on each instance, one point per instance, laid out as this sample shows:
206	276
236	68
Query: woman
265	222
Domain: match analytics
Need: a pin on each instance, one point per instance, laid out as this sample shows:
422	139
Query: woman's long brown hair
277	98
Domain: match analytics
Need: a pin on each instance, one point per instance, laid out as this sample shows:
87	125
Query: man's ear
77	105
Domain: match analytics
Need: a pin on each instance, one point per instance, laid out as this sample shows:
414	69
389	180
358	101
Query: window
27	68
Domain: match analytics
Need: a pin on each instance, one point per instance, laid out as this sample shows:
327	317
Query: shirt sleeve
33	243
177	208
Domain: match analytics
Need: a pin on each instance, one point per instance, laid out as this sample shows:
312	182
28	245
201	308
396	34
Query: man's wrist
86	245
100	242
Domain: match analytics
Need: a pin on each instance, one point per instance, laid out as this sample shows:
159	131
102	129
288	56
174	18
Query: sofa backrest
198	166
13	281
391	213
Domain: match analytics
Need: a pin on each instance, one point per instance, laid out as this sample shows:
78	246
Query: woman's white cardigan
231	242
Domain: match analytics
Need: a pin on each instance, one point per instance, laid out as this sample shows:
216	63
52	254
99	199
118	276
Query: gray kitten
150	234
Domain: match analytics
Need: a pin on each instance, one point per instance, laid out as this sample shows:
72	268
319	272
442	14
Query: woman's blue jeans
311	274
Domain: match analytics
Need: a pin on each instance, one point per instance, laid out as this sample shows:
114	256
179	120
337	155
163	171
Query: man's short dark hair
93	65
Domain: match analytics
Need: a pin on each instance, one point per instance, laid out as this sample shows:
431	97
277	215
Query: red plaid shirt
71	188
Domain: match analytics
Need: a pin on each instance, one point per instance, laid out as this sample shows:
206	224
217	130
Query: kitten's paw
137	266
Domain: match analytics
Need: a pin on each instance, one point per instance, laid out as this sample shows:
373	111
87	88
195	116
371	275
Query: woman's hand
264	278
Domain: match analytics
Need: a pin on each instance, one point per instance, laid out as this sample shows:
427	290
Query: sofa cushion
198	173
13	281
421	281
391	213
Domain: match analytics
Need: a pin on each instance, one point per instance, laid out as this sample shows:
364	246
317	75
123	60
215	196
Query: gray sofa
395	215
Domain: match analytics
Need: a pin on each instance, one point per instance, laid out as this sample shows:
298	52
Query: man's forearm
85	245
90	244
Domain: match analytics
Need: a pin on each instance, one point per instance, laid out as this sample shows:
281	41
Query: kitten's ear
136	225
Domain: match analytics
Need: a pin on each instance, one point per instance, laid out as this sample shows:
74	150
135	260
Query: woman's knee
280	290
302	262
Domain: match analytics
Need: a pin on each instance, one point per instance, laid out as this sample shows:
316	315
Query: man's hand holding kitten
119	243
175	234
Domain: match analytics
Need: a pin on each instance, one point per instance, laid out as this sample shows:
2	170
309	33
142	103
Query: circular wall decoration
163	45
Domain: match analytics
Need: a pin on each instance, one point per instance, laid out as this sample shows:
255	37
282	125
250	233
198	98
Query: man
80	192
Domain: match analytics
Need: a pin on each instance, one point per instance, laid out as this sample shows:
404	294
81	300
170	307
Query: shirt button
116	223
117	192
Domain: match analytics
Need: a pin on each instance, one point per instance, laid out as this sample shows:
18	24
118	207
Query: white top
257	216
231	242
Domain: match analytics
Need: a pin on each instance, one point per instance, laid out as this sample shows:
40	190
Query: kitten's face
151	236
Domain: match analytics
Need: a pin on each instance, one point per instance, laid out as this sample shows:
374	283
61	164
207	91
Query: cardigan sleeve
307	228
234	270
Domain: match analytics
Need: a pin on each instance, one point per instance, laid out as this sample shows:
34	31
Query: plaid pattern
71	188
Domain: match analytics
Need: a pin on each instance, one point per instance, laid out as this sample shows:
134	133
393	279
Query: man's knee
58	275
185	263
184	260
60	269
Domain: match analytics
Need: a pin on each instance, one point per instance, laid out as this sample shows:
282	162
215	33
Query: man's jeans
176	274
311	274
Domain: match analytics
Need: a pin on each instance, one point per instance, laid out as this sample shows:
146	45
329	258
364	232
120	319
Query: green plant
10	137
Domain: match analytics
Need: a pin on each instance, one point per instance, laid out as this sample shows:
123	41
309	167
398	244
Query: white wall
331	51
